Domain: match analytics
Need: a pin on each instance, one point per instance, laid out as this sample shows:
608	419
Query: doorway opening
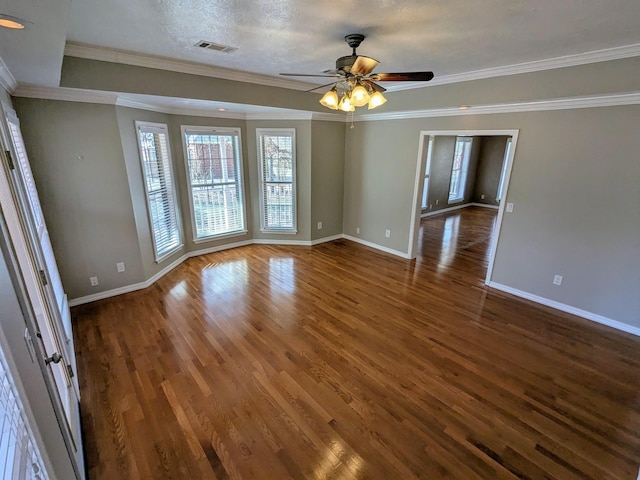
433	147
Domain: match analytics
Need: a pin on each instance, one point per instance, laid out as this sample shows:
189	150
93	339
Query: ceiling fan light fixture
376	100
14	23
345	104
330	99
359	96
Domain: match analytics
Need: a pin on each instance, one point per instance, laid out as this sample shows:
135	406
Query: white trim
162	63
397	253
91	96
416	213
147	283
272	241
278	132
567	308
236	134
590	101
66	94
318	241
74	302
607	54
7	80
219	248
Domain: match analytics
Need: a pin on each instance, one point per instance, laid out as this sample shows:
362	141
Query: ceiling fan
356	81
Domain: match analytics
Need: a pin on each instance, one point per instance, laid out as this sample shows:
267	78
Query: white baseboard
458	207
568	308
147	283
377	247
271	241
327	239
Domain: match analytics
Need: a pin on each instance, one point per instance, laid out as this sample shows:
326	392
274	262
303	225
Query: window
155	157
459	169
214	175
427	171
277	179
503	174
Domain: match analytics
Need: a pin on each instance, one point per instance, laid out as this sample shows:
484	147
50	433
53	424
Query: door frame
423	145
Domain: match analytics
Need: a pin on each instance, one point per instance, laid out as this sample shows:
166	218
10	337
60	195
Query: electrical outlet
437	202
120	267
481	197
509	207
94	281
358	230
557	279
430	206
387	233
319	225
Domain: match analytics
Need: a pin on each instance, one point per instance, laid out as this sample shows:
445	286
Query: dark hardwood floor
338	361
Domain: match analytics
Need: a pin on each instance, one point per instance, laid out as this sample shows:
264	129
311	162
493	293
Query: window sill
169	253
213	238
284	232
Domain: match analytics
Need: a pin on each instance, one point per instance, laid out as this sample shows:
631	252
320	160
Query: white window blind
19	456
214	171
277	159
157	173
459	169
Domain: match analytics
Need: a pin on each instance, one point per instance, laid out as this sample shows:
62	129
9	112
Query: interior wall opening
456	170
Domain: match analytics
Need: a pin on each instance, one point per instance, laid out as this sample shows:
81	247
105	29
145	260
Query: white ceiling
445	36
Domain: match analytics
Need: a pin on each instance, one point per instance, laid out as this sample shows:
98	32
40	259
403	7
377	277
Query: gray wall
77	160
327	178
576	200
86	165
35	397
490	162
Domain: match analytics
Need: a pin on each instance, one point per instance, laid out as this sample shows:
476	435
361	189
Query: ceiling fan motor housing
344	64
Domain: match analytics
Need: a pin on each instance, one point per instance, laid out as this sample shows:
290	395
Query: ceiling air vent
216	46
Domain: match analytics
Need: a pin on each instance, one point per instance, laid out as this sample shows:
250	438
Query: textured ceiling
272	36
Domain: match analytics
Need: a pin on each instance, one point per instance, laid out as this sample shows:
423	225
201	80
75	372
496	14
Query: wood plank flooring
341	362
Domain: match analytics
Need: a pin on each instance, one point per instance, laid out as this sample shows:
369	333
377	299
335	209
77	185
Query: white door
30	239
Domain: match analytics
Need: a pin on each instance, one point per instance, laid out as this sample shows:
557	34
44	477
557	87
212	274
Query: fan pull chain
352	126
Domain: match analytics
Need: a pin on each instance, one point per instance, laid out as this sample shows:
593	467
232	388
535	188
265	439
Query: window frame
212	130
464	169
278	132
503	170
152	127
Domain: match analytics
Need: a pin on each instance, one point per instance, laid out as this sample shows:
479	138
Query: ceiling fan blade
375	86
363	65
321	86
402	77
308	75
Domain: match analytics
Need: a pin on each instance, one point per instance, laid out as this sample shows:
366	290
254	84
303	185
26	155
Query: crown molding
595	56
193	68
65	94
629	98
7	80
92	96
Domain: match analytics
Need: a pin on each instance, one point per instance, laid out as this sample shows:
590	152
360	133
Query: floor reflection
282	275
449	242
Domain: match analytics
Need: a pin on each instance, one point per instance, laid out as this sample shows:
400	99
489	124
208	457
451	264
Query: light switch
509	207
